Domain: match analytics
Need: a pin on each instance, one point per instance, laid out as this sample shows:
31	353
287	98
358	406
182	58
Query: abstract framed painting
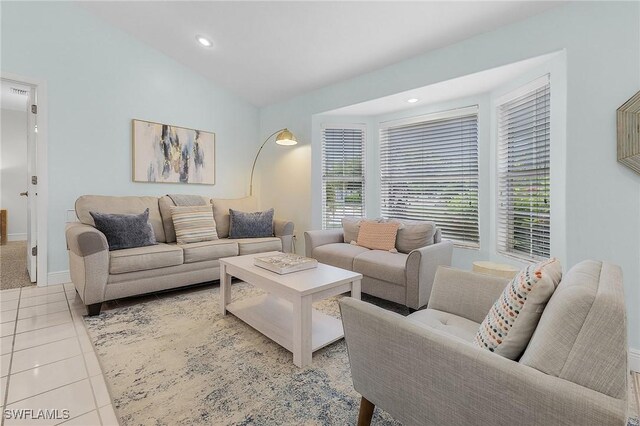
171	154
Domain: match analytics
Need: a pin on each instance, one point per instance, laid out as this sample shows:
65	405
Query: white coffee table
285	314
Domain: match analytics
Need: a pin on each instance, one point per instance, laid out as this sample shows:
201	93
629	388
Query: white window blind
523	172
342	174
429	171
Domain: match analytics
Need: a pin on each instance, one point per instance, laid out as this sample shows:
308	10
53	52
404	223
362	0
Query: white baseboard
634	360
60	277
16	237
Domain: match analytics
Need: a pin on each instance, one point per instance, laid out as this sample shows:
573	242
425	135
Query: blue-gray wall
99	78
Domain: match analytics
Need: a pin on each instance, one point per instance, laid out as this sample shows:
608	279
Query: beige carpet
13	265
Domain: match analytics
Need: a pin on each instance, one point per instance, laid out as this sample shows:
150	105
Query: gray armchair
424	370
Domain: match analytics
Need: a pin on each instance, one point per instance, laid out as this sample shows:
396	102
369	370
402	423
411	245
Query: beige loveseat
425	369
404	278
100	275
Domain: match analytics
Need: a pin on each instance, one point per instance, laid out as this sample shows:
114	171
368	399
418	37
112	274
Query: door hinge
34	180
34	251
34	109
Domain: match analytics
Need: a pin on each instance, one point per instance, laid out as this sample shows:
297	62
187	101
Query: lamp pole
256	159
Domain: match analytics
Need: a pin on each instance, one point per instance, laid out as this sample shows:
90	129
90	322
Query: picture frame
628	133
164	153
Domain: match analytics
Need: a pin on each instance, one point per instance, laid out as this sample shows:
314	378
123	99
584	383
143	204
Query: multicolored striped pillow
194	224
509	325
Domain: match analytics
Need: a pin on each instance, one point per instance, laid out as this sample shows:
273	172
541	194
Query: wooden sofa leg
94	309
366	412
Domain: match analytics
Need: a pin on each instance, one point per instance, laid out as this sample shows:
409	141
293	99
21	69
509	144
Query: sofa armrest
421	376
464	293
282	227
88	262
421	269
284	230
85	240
313	239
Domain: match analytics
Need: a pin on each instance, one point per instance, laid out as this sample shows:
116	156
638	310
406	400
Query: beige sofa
404	278
424	369
100	275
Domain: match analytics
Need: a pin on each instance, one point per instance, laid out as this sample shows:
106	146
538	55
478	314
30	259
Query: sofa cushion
221	211
382	265
193	224
121	205
378	236
209	250
144	258
340	255
125	230
511	321
414	234
257	245
582	335
250	224
459	327
350	228
165	203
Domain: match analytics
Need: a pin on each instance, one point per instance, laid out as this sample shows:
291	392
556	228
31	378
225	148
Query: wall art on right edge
629	133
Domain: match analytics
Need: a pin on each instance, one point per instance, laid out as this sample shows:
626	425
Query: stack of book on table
285	263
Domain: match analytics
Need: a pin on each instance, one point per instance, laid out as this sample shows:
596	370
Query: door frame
42	202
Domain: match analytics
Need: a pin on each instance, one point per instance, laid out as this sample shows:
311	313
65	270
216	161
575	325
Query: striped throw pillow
193	224
378	236
509	325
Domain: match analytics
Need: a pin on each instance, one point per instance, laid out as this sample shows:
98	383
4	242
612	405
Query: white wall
13	166
98	79
602	44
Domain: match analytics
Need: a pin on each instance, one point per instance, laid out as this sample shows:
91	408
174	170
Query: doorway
18	184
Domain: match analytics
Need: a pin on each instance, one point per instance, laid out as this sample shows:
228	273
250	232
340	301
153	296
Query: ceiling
461	87
9	99
271	51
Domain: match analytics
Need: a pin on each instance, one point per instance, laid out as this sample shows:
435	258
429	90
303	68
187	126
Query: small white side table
495	269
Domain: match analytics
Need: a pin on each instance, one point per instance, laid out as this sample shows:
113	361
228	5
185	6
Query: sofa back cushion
351	228
221	208
582	334
414	234
165	203
120	205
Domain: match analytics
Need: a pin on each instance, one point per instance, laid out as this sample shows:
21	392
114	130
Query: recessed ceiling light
412	100
204	41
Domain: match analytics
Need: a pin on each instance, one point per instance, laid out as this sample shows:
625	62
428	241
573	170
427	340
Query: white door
32	230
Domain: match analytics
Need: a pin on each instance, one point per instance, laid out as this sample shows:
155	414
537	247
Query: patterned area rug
176	360
172	359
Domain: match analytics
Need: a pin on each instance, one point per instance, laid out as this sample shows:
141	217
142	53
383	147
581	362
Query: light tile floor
47	360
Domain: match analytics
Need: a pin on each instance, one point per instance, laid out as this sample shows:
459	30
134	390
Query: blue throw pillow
125	230
250	225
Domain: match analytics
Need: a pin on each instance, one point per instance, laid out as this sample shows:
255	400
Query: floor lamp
285	137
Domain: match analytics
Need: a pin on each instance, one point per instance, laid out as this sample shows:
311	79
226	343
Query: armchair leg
366	412
94	309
